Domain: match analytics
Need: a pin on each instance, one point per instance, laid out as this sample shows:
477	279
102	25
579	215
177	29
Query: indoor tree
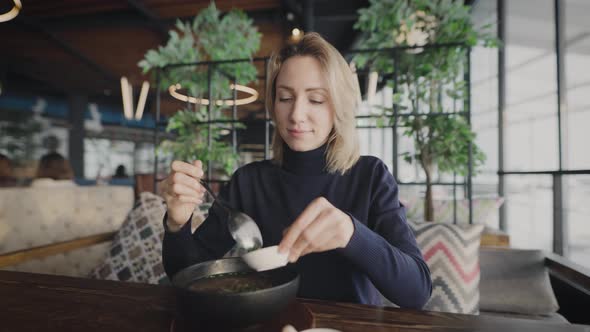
211	36
433	38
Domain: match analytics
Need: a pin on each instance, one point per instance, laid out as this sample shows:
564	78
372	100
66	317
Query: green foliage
17	139
447	138
445	21
426	77
210	36
192	140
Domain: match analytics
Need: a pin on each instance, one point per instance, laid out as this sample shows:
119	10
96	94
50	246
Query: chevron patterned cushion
452	254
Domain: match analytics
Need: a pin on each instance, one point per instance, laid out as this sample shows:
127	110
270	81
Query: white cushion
31	217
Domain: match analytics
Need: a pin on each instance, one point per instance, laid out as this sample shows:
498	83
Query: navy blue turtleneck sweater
382	253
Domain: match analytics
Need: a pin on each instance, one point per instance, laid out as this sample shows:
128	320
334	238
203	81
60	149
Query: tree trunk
433	96
427	164
428	203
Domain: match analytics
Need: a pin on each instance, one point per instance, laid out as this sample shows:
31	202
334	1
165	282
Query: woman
337	214
53	170
120	172
7	178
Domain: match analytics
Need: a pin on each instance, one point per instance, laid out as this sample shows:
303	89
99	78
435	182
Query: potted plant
429	79
210	36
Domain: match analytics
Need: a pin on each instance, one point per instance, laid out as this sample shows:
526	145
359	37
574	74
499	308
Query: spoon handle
206	186
221	203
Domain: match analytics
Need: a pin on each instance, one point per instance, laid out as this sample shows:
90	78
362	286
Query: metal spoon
241	227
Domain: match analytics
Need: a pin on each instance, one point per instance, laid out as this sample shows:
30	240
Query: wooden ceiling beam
156	23
183	8
57	75
65	8
25	81
164	9
106	75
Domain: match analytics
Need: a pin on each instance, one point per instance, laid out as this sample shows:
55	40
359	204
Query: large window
531	130
103	156
531	137
577	117
484	106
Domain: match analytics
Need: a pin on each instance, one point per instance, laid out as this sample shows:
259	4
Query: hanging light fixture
145	87
296	35
127	96
11	13
417	34
352	66
228	102
372	87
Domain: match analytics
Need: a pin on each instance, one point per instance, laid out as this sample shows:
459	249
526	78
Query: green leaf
210	35
421	78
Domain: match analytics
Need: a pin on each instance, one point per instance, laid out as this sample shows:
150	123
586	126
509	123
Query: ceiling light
372	87
295	32
11	13
228	102
127	94
145	87
352	66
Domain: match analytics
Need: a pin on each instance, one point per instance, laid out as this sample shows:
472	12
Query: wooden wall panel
117	49
62	8
183	8
111	34
163	8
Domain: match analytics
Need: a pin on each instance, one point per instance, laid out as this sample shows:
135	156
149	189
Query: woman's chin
300	146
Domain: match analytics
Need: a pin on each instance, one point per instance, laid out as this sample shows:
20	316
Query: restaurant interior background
61	89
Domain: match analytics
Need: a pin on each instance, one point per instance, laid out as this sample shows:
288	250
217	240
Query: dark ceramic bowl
233	309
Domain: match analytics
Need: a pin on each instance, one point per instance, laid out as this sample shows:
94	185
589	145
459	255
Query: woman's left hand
320	227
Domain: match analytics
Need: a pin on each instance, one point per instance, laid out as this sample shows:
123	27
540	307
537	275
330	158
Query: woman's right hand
182	192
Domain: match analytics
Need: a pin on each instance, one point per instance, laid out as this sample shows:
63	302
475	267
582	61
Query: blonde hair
343	146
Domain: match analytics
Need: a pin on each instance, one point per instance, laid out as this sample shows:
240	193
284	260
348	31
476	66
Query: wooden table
35	302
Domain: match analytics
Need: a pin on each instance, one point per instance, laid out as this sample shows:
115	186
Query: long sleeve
210	241
386	249
382	254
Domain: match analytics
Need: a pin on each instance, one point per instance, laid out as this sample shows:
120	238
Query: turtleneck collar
311	162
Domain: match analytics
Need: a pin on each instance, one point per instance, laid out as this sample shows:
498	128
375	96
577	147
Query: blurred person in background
120	172
54	170
7	178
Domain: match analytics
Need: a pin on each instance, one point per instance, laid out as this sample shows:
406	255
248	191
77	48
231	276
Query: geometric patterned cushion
135	253
451	251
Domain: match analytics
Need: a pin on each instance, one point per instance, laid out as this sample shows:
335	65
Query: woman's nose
298	111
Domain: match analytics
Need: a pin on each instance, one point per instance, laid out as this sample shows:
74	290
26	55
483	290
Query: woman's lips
298	132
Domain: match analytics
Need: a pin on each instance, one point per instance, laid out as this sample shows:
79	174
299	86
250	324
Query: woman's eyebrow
308	89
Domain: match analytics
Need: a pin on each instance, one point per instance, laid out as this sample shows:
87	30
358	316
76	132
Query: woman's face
303	110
